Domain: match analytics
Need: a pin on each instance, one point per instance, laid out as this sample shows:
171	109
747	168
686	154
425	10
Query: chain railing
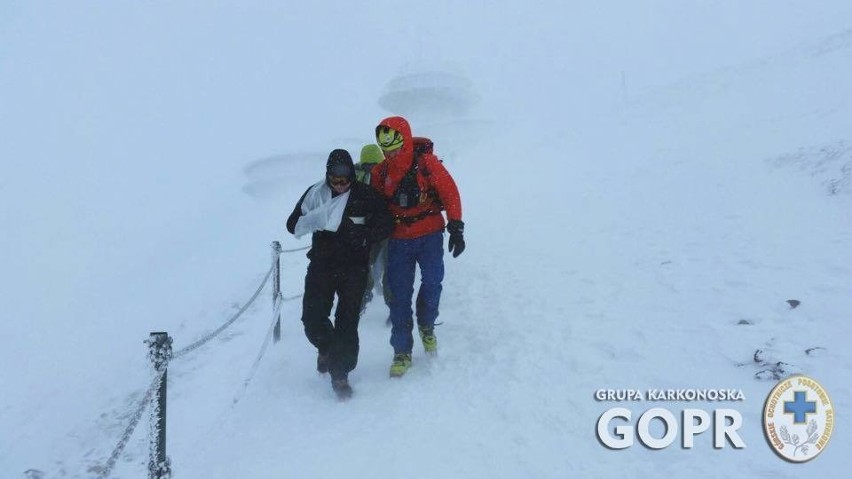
160	354
106	470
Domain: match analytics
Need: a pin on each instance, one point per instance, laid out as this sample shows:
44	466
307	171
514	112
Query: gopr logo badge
798	418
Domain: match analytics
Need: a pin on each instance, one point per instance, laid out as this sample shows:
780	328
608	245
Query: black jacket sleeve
381	221
296	214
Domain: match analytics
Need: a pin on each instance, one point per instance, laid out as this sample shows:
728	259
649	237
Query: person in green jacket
372	155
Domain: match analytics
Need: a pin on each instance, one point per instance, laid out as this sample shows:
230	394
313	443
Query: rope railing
160	353
295	249
275	318
207	337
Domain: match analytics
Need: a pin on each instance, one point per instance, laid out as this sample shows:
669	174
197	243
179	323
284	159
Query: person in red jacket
418	188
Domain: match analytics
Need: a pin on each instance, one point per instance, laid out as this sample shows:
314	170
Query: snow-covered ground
659	179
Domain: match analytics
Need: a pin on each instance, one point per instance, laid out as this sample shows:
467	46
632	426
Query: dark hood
339	163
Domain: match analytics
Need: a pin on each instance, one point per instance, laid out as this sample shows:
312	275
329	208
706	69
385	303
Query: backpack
422	145
408	194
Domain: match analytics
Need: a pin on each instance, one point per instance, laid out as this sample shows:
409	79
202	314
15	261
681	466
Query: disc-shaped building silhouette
277	175
429	95
439	103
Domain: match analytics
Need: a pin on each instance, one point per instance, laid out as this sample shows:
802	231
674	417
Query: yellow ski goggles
388	138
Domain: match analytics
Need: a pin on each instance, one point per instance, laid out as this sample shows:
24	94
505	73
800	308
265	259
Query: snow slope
634	208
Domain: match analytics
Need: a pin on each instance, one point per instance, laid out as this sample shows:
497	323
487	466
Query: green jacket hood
371	154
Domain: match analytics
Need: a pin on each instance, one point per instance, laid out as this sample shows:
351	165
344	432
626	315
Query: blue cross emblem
800	407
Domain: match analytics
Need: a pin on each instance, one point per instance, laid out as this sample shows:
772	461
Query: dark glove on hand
353	235
456	243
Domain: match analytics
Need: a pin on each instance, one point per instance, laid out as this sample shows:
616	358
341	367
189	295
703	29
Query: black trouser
340	340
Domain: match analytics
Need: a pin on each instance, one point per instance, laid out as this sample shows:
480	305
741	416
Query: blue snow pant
428	252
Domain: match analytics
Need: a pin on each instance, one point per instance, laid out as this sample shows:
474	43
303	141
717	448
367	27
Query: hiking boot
430	342
400	364
322	363
342	388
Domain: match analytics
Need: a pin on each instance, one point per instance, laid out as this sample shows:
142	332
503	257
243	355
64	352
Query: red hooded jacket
431	176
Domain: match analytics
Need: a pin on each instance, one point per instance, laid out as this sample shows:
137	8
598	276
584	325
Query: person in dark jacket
345	218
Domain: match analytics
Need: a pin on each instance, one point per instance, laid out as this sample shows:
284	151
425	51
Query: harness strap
409	220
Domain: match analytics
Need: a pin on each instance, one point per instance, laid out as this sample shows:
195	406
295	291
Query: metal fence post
276	287
159	352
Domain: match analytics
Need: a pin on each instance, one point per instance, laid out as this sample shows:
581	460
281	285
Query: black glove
353	235
456	244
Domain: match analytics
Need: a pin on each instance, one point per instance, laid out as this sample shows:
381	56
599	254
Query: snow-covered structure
267	177
430	95
439	102
270	177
